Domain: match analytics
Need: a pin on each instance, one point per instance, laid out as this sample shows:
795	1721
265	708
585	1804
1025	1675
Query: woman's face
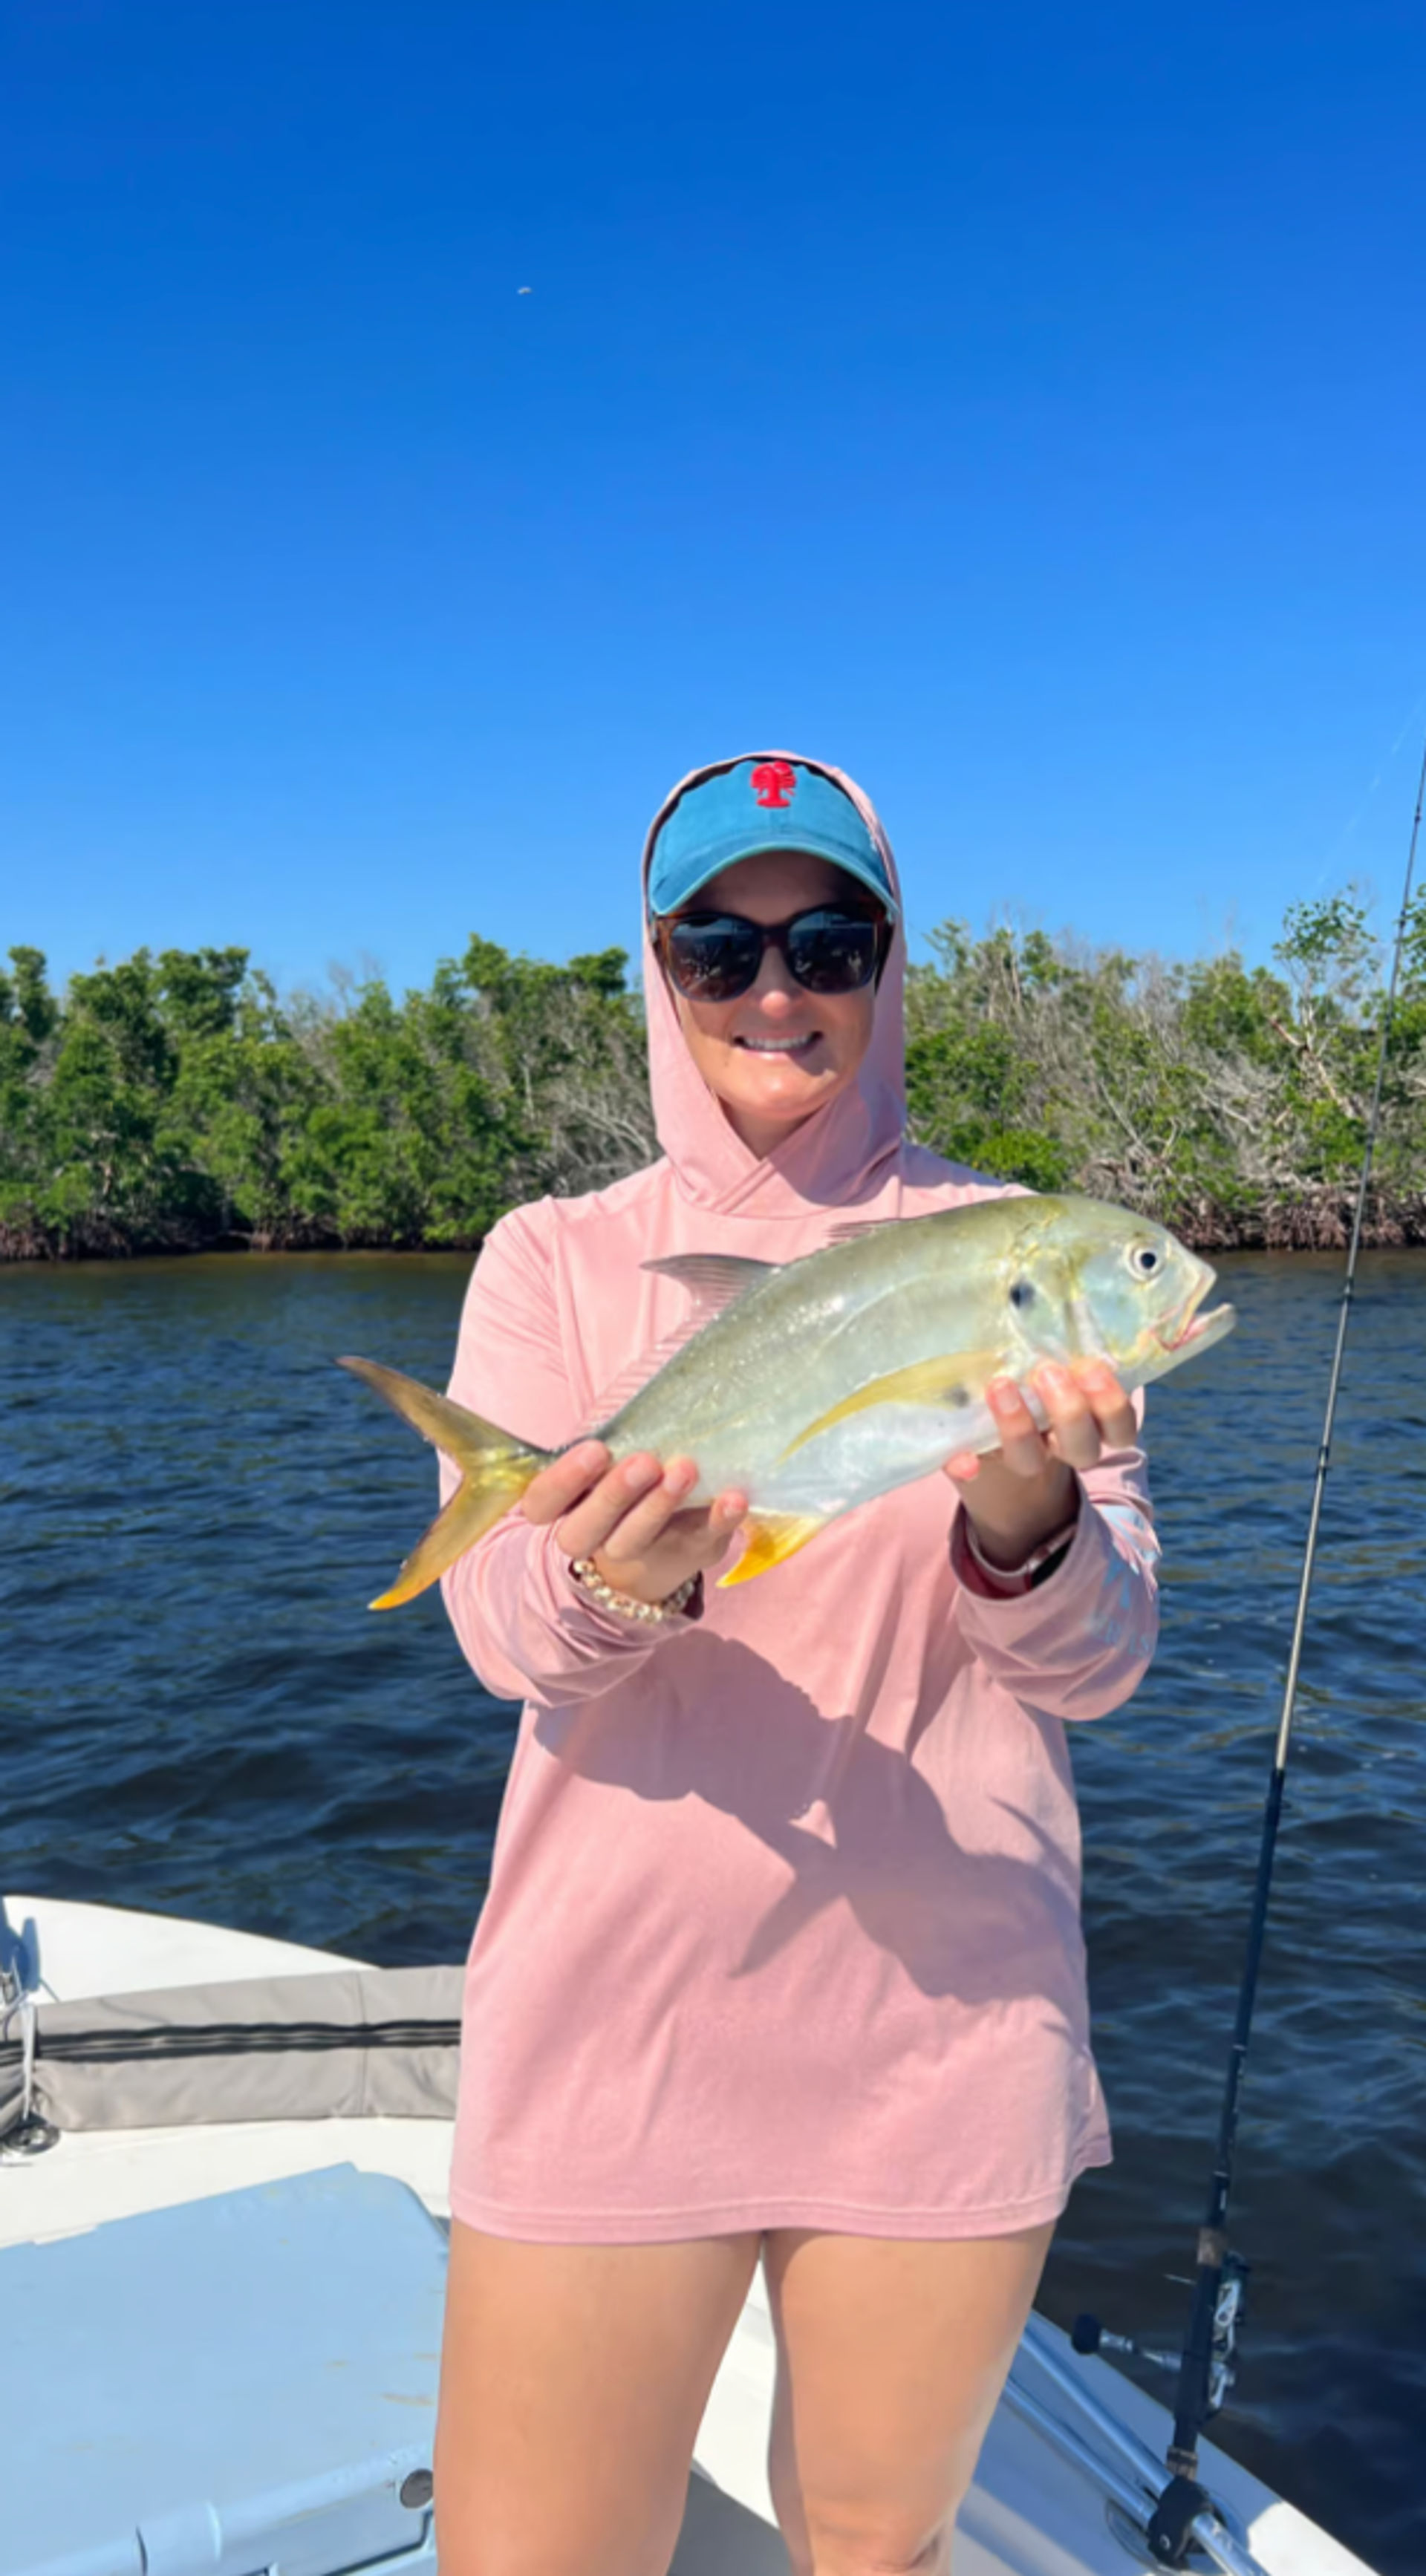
777	1052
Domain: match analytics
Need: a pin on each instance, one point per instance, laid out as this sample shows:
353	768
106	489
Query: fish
815	1385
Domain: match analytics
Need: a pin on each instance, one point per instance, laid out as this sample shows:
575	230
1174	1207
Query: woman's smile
765	1057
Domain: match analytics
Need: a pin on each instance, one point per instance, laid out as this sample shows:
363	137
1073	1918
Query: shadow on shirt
854	1819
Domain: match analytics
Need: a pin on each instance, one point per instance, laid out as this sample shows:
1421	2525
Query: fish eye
1144	1259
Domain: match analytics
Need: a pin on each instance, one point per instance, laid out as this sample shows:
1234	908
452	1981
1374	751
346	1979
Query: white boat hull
1032	2511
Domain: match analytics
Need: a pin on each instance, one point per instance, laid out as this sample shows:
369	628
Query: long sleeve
523	1622
1079	1644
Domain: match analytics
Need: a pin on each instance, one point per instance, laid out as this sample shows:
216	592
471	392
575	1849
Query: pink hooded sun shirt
783	1924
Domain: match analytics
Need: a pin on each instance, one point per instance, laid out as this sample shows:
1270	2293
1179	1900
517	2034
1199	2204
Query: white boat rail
1137	2492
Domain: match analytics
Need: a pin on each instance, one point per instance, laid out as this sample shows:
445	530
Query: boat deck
1032	2510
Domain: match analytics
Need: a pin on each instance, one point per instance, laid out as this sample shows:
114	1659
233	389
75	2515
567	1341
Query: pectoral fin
772	1537
955	1381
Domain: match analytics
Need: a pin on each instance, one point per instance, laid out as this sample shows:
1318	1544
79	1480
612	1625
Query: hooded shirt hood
839	1155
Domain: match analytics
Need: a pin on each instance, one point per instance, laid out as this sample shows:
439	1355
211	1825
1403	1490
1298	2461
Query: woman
781	1955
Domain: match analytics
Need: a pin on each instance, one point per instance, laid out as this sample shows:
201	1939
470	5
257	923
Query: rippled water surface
199	1717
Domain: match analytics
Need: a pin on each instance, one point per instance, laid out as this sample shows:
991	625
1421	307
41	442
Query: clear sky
1021	404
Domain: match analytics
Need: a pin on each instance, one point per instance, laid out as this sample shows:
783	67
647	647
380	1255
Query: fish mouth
1189	1329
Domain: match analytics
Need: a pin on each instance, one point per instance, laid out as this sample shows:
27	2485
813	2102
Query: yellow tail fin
495	1469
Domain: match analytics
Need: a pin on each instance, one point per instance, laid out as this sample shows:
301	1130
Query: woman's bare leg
573	2379
890	2359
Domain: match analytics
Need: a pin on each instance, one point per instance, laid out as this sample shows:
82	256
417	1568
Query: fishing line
1409	724
1205	2364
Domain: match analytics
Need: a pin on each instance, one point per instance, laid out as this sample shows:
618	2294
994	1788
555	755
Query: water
199	1717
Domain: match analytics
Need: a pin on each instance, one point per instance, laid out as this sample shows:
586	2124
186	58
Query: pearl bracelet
653	1613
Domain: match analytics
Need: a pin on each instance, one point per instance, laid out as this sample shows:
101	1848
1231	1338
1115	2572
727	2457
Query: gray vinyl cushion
352	2043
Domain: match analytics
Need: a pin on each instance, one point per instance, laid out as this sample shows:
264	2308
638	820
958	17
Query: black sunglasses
715	956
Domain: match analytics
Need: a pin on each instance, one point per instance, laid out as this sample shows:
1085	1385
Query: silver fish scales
815	1385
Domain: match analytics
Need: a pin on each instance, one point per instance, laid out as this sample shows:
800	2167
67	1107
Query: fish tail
495	1469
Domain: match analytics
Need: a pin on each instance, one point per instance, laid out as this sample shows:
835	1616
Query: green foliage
177	1100
1231	1101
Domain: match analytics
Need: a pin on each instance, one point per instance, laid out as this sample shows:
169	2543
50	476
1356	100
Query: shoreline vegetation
177	1103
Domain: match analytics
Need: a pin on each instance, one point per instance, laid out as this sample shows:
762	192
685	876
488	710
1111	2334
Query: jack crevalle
815	1385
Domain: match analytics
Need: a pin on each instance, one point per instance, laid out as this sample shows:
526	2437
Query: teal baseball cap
760	805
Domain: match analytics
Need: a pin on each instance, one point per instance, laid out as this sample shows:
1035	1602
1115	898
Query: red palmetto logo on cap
774	782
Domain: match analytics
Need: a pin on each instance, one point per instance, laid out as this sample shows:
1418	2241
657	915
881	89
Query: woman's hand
1027	1489
629	1519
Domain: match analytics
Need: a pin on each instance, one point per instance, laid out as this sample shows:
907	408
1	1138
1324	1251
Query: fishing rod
1206	2364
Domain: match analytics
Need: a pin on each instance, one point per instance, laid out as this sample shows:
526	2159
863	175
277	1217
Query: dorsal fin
851	1227
714	1281
635	1375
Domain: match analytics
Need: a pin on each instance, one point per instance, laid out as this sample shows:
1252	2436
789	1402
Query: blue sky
1021	405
